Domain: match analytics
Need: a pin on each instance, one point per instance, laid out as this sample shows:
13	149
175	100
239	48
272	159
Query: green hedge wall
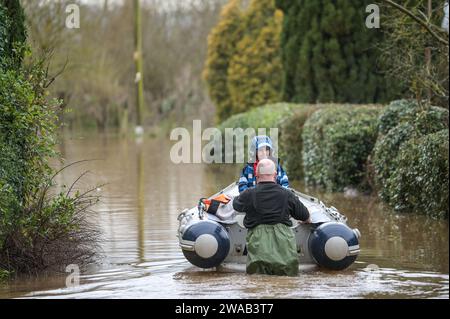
268	116
401	121
409	155
420	181
291	141
336	143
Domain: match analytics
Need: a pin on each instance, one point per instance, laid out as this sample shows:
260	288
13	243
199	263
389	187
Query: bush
48	232
385	151
291	143
395	112
38	230
336	143
26	134
268	116
420	180
400	122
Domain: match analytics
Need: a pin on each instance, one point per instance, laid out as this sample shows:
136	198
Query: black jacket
269	203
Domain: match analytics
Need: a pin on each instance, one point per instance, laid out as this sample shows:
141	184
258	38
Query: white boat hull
210	241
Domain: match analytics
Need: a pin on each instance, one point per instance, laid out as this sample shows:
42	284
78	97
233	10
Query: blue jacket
248	179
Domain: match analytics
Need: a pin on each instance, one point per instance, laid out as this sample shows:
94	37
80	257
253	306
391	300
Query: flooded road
402	256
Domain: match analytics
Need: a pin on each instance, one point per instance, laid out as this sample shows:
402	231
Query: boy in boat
261	148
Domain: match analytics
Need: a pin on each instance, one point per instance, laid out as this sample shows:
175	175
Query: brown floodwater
402	256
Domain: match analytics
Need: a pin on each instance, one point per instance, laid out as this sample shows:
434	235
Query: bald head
266	171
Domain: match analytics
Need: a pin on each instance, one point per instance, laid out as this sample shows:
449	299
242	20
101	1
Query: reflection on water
143	196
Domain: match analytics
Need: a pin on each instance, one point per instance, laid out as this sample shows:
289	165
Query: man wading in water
271	244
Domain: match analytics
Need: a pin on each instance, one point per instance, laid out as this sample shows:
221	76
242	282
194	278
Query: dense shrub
26	134
400	122
267	116
48	232
39	230
395	112
336	143
420	181
291	142
385	151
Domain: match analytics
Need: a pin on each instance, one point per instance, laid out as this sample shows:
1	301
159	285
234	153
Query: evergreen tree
328	53
15	35
222	43
255	73
4	27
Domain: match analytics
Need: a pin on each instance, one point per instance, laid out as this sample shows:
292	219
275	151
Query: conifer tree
222	43
328	53
255	72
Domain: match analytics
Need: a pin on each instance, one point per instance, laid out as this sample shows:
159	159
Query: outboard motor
334	245
205	244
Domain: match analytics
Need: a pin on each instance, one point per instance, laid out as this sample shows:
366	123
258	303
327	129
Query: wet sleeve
297	209
240	202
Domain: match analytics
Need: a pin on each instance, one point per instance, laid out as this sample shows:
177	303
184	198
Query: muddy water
403	256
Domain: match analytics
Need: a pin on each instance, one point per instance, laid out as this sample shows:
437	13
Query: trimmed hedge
289	119
268	116
329	146
400	122
395	112
420	181
291	142
336	143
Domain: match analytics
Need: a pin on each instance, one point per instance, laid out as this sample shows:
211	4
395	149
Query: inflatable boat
213	240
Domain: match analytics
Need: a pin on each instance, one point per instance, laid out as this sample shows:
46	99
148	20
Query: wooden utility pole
139	79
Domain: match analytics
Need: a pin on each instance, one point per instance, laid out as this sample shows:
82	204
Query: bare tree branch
425	24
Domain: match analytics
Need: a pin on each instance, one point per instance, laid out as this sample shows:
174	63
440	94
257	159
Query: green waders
272	250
